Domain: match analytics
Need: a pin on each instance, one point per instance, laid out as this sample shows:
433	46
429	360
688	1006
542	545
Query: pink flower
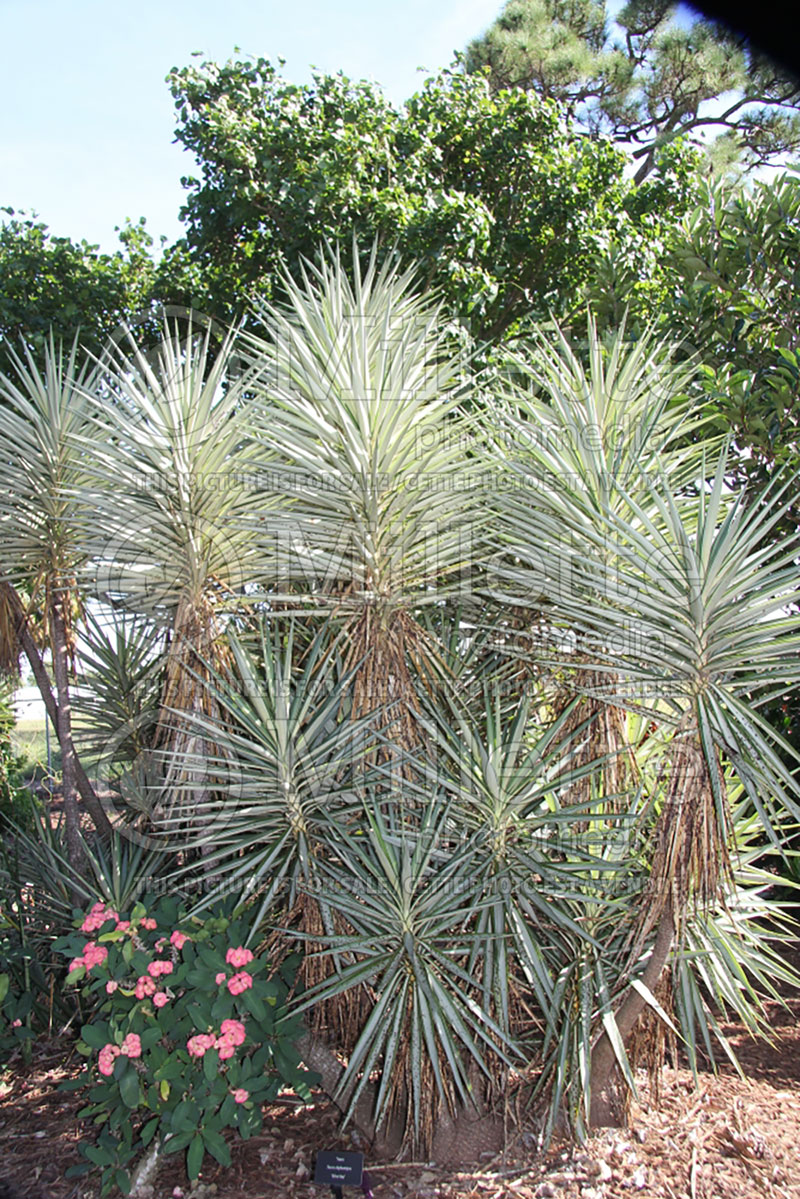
240	1095
97	917
93	954
238	957
105	1059
198	1044
16	1023
123	926
220	978
148	922
225	1048
157	968
111	986
240	982
235	1030
160	943
160	998
179	939
132	1046
76	962
195	1047
232	1033
144	986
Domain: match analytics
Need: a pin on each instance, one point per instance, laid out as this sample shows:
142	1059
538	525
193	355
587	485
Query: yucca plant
282	756
583	439
705	634
729	962
360	414
403	883
174	479
44	409
121	668
660	592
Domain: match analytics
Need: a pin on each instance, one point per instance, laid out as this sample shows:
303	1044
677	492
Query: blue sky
86	120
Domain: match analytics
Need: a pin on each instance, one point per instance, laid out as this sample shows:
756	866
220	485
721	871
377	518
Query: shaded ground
728	1139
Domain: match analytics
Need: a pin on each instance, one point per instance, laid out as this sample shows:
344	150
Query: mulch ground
729	1138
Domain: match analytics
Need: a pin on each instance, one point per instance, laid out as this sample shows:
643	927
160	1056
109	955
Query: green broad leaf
78	1170
185	1117
150	1129
170	1069
128	950
122	1180
75	974
243	1122
178	1141
83	1049
254	1005
198	977
74	1084
194	1156
150	1037
210	1064
211	959
97	1154
95	1035
4	985
216	1146
222	1007
129	1089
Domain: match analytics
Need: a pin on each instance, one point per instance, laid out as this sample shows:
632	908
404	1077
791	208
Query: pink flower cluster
179	939
130	1047
198	1044
98	914
231	1034
93	955
159	967
240	982
145	986
240	1095
148	922
238	957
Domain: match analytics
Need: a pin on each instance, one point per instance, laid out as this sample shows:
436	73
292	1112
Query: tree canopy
646	78
504	209
72	287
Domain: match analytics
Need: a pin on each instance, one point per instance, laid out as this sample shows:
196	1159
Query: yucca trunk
57	601
197	663
691	858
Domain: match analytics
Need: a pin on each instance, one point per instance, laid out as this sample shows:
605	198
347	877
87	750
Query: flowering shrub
189	1036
